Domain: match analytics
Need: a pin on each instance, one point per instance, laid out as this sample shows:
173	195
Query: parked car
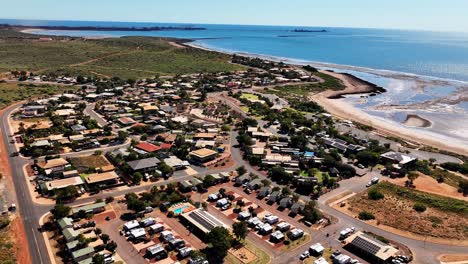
304	255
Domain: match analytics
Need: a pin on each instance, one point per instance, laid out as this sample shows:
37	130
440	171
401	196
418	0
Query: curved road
425	252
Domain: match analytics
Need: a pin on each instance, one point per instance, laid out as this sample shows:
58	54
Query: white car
304	255
109	260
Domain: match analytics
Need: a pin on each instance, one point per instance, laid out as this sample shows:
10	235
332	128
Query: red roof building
148	147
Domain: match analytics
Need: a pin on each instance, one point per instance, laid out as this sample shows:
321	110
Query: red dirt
22	249
428	184
101	218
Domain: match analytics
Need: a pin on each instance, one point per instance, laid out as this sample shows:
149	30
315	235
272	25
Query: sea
425	73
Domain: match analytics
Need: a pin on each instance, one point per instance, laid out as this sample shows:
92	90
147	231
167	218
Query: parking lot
154	238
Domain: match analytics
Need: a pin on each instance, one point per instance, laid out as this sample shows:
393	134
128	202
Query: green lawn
249	96
127	57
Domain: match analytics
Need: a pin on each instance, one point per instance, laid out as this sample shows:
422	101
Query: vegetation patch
89	163
12	92
127	57
7	246
414	211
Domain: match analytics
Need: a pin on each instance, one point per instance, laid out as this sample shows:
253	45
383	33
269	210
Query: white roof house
131	225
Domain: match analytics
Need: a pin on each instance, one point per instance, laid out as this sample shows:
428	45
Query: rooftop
100	177
202	153
202	220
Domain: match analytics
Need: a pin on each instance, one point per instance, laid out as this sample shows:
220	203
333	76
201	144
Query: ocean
425	73
437	54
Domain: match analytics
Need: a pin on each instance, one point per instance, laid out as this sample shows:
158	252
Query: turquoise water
180	210
436	54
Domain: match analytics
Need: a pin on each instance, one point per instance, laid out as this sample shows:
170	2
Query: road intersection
31	212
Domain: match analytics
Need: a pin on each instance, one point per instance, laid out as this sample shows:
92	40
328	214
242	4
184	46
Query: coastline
355	85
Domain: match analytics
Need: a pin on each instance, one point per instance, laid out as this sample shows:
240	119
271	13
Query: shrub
374	194
418	207
364	215
170	214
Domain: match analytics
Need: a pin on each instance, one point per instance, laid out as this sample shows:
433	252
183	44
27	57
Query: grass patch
330	83
448	177
245	108
13	92
327	252
82	164
126	57
298	242
249	96
7	246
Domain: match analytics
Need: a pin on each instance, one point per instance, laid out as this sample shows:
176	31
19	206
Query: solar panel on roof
366	245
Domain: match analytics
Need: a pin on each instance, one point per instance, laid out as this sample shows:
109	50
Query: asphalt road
29	211
425	252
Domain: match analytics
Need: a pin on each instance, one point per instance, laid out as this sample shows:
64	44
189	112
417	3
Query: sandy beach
344	110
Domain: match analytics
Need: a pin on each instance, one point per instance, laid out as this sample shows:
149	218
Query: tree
241	170
240	230
463	186
208	181
367	158
98	259
60	211
105	238
419	207
364	215
111	246
266	182
122	135
137	177
165	169
278	174
311	213
221	241
299	141
412	176
67	193
374	194
136	205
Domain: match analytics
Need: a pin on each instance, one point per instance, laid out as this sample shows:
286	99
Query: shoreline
355	85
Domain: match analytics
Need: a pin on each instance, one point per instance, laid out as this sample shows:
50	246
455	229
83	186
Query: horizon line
227	24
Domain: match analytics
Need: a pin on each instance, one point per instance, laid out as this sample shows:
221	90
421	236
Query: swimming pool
181	209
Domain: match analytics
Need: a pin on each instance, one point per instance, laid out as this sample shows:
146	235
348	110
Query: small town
155	170
239	164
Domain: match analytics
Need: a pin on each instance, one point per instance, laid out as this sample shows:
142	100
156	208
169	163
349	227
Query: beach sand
344	110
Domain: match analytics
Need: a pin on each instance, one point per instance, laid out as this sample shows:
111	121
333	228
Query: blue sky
448	15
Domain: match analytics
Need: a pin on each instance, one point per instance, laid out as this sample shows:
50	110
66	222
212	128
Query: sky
448	15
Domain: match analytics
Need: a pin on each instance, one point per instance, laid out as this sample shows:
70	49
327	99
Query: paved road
89	110
30	212
425	252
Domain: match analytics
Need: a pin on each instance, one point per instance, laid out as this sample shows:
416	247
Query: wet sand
416	121
344	110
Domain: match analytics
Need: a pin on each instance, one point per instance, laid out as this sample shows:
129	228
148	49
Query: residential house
144	165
